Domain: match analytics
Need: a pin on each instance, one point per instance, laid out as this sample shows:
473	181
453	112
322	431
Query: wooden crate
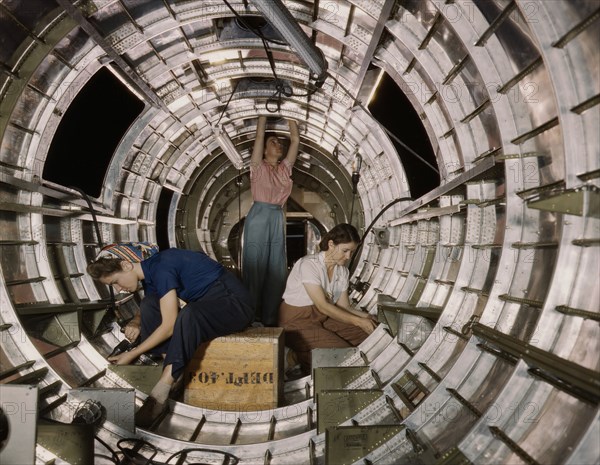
238	372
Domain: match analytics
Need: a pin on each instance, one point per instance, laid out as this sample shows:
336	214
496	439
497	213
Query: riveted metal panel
345	445
336	407
19	408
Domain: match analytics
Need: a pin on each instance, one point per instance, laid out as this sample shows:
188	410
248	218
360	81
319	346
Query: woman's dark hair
103	267
343	233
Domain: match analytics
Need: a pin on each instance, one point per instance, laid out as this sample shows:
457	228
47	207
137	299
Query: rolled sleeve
310	272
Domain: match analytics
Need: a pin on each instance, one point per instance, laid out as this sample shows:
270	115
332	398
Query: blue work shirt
189	272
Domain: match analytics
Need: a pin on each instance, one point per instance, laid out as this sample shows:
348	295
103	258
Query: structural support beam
384	14
487	168
276	13
570	376
579	202
90	30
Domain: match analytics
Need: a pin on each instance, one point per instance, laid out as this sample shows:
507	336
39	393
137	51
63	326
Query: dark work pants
225	308
264	262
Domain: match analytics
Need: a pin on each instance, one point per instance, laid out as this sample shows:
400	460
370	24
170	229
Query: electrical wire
281	89
238	182
113	302
114	457
92	212
387	131
227	455
138	444
229	100
362	239
352	208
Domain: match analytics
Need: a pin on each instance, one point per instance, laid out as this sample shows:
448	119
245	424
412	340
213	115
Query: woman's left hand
372	317
366	324
123	359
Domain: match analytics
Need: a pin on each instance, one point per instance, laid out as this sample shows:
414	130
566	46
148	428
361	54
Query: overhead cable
281	89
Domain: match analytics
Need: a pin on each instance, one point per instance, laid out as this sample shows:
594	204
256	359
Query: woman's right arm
169	307
259	143
317	295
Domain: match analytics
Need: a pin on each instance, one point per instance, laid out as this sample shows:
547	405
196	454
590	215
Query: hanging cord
132	454
387	131
238	182
114	457
112	307
229	100
227	457
92	212
356	165
362	239
113	303
281	89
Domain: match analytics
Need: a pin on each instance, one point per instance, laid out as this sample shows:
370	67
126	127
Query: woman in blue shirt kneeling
215	303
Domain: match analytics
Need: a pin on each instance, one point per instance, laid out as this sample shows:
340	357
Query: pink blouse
271	184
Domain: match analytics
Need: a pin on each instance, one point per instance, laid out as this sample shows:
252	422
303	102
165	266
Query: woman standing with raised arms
264	261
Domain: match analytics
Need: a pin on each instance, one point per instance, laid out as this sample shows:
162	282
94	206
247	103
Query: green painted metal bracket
345	445
580	202
331	378
431	313
72	443
336	407
453	456
59	329
141	377
98	321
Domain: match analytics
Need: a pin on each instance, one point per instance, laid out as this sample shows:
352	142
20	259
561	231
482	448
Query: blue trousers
224	309
264	261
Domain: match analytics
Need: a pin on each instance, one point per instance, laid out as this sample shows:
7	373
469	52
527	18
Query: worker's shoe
291	367
149	412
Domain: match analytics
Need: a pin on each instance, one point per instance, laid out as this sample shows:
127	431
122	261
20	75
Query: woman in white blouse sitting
316	310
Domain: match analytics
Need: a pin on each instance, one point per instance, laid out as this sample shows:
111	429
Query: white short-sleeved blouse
311	269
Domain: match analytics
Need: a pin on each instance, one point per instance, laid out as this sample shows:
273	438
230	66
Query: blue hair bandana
129	251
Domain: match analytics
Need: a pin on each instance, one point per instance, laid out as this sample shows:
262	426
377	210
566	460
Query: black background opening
89	133
162	218
393	110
